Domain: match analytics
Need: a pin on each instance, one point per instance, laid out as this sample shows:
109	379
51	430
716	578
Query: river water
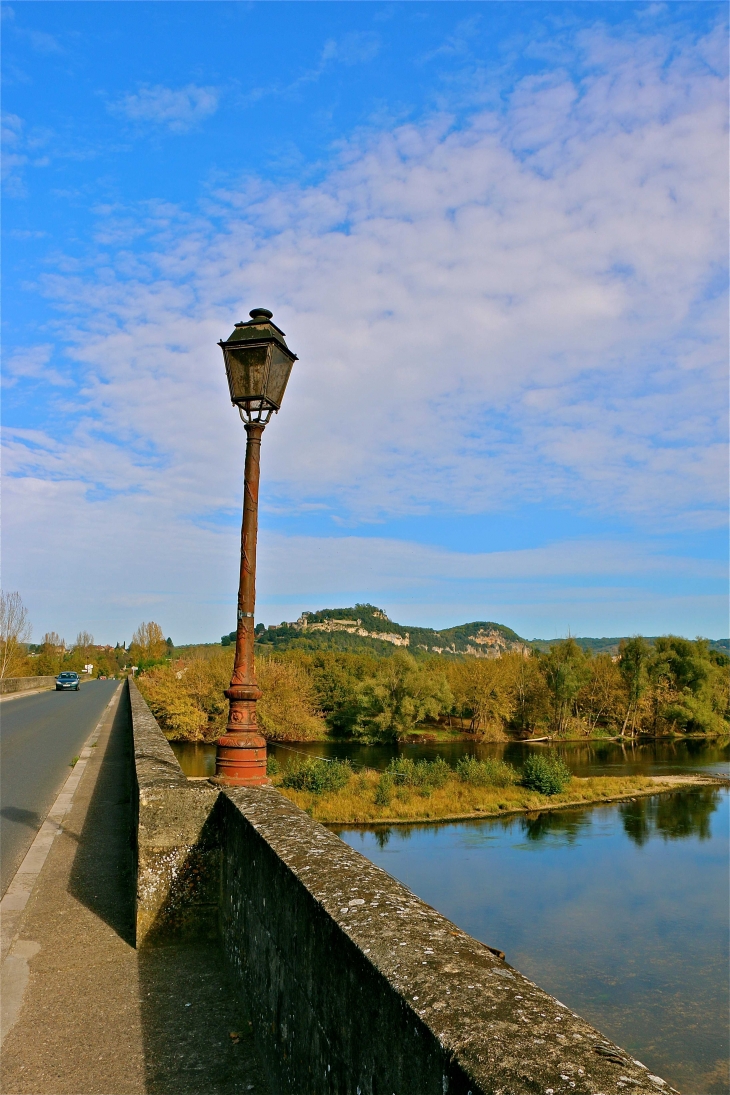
621	911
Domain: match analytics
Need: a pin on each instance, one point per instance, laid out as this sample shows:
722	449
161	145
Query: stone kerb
178	856
358	986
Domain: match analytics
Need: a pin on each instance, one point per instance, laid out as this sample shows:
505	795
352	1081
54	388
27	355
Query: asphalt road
39	737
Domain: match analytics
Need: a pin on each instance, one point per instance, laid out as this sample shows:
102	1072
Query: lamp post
258	363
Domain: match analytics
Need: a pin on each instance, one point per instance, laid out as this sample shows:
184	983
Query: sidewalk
97	1017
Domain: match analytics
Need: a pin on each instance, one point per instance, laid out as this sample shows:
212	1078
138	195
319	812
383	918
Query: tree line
671	686
52	655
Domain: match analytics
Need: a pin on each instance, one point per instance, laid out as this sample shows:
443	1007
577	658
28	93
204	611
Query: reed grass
362	801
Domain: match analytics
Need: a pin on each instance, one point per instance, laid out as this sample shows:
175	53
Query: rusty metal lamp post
258	363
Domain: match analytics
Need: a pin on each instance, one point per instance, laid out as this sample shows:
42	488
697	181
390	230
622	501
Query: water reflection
619	910
675	816
567	824
672	816
583	758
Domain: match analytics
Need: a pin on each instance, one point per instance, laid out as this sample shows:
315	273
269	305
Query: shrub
546	774
288	710
318	776
421	773
384	790
486	773
180	718
272	766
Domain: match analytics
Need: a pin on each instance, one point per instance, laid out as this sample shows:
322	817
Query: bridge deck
98	1016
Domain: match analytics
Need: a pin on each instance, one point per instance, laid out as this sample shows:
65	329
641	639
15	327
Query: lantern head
258	364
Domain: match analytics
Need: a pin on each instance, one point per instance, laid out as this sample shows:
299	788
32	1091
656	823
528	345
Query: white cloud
20	149
14	157
32	362
179	109
82	561
521	310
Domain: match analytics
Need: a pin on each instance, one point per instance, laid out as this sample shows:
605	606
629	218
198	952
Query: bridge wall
175	838
354	985
24	684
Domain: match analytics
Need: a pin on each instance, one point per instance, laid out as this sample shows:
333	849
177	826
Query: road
39	737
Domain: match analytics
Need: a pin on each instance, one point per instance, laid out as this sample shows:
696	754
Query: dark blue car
64	681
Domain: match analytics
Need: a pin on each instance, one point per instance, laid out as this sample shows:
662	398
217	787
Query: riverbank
444	735
355	804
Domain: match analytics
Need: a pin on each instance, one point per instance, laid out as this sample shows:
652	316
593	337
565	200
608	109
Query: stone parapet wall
361	987
354	985
24	684
176	841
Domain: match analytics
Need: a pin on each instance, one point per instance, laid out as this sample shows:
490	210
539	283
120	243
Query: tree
287	710
566	670
400	695
601	700
51	654
173	707
485	690
15	631
148	643
633	660
688	687
337	685
532	699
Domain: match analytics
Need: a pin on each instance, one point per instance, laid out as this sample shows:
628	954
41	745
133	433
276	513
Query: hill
364	628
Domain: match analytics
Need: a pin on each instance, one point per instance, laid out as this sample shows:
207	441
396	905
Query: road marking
18	892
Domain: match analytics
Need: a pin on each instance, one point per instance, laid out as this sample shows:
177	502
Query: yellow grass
355	803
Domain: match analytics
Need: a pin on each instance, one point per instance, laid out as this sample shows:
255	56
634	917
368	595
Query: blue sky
495	234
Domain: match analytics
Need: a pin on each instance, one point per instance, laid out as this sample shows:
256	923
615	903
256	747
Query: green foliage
486	773
400	695
546	774
427	774
532	699
384	790
689	687
177	712
673	686
337	678
318	776
375	622
272	766
566	669
288	709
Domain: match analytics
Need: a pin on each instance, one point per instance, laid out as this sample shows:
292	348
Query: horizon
494	235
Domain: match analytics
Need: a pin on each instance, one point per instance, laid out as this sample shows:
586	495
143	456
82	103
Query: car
65	681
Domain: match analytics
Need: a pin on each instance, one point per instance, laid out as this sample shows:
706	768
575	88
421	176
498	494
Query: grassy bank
360	802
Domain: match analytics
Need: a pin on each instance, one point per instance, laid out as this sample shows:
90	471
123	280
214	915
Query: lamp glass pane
246	368
281	366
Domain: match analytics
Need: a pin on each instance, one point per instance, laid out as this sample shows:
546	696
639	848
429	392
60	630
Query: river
621	911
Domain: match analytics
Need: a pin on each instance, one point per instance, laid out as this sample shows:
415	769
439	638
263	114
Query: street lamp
258	363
